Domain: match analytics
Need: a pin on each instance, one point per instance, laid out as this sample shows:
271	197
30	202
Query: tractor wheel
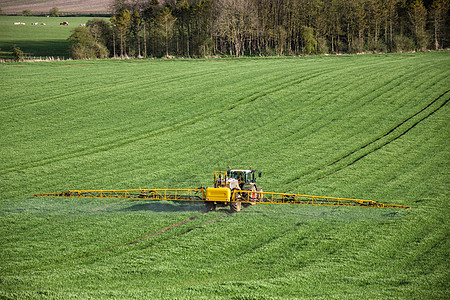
244	205
210	206
259	189
235	206
255	189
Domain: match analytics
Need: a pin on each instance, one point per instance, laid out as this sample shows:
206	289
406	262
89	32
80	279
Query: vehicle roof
242	171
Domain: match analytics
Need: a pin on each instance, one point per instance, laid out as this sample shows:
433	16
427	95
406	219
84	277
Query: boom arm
150	194
237	196
284	198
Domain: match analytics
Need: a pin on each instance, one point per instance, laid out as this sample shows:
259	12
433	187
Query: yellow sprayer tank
218	194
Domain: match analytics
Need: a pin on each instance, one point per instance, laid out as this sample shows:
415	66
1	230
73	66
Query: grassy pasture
369	127
37	40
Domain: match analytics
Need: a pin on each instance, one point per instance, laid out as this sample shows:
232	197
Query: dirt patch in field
64	6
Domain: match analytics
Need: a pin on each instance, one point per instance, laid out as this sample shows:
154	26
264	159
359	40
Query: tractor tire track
92	255
386	135
123	246
187	231
390	131
371	96
312	127
171	128
107	87
157	233
400	135
111	250
163	231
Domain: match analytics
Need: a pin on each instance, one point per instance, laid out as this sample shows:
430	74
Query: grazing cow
43	24
83	25
65	23
35	23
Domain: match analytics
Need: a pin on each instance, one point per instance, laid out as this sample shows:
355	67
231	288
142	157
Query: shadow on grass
166	206
42	49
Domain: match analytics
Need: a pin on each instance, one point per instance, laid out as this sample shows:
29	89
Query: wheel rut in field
187	231
159	232
396	132
124	84
171	128
172	227
393	129
123	246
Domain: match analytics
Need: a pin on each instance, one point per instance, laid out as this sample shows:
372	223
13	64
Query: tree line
198	28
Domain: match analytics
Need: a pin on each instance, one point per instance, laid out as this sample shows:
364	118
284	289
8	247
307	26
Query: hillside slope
368	127
64	6
50	40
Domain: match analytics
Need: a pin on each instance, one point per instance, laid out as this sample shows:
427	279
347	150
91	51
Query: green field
368	127
37	40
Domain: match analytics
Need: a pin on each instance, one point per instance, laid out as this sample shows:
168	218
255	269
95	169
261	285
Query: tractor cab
243	176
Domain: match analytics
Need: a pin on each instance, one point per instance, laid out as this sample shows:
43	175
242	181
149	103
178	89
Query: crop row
370	127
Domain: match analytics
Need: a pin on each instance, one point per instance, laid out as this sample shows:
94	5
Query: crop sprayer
234	188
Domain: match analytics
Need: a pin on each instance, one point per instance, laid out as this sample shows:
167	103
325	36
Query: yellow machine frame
220	181
220	193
